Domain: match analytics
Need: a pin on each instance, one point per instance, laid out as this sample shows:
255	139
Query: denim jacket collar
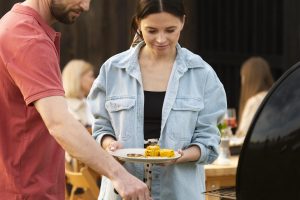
183	62
187	62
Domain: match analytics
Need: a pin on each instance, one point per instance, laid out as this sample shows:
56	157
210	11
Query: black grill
269	161
224	193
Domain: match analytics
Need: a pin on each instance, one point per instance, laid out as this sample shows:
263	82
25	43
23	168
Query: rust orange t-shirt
31	161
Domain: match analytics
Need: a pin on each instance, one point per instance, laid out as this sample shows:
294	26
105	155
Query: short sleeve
35	70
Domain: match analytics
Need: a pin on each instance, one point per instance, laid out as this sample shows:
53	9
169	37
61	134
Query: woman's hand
175	161
114	145
190	154
107	141
110	144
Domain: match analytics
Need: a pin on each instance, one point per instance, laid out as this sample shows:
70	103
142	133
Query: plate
122	154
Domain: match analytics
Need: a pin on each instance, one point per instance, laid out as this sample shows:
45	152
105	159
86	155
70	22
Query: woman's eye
151	31
155	31
170	31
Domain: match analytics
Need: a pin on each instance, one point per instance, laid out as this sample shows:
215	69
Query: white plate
122	155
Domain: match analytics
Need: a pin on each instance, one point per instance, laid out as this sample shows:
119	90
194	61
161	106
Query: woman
159	90
78	77
256	80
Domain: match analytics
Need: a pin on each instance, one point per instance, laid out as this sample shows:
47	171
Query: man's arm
75	139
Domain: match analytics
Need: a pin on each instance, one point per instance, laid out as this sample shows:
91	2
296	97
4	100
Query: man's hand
131	188
127	186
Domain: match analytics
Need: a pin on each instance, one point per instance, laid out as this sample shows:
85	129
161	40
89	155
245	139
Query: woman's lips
161	46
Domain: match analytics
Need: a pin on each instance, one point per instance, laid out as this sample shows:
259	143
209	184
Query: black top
152	113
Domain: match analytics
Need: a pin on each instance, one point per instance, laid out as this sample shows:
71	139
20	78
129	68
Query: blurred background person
256	80
78	77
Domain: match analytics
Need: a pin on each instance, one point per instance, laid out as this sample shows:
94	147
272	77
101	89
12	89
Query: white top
250	109
79	109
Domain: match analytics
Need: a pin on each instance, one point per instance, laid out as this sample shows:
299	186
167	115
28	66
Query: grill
225	193
269	163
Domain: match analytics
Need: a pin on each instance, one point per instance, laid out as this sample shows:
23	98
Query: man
34	119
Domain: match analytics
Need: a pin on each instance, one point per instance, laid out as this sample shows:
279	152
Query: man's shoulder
20	32
17	26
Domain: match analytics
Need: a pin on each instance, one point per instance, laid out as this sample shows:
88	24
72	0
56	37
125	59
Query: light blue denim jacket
195	101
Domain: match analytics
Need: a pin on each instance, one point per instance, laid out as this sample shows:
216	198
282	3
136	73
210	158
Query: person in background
78	77
256	80
35	124
157	90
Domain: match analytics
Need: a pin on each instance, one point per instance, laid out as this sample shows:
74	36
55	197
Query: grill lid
269	163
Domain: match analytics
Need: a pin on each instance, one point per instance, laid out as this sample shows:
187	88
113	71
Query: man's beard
60	13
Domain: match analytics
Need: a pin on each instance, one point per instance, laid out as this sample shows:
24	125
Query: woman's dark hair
148	7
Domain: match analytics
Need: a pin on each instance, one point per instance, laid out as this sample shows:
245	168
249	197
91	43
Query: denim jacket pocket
122	116
188	104
119	104
183	117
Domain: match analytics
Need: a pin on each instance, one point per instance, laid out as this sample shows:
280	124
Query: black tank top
152	113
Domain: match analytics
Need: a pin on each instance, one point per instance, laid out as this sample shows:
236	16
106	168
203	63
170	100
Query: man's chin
67	21
66	18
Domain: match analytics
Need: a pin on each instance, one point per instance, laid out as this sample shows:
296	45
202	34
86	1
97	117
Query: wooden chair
85	180
72	164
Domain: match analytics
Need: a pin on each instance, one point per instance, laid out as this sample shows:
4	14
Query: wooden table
218	176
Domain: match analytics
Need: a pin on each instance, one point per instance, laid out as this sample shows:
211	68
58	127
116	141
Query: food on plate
152	150
166	153
156	151
135	155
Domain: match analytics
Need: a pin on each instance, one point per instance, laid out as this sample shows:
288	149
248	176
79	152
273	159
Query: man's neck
42	7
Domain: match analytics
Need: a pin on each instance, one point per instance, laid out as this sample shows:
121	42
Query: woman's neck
148	54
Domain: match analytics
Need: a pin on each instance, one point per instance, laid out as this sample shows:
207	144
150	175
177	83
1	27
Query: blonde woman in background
78	77
256	80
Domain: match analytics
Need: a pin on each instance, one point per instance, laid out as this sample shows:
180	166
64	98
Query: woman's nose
161	38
